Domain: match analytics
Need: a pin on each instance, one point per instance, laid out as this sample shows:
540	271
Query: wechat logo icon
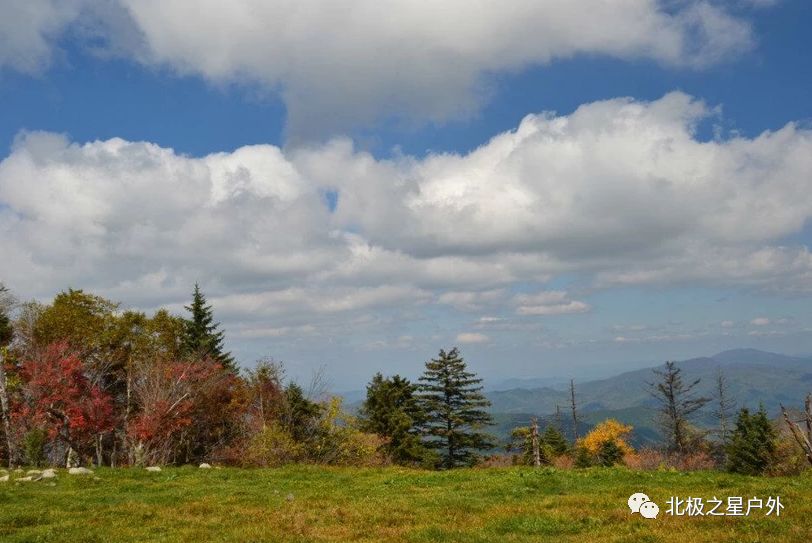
641	503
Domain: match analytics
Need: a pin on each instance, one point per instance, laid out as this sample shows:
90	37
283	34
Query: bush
272	447
563	462
352	447
753	444
609	454
583	458
696	461
646	460
609	430
34	446
788	459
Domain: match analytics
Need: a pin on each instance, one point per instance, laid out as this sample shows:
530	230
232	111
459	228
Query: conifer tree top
202	335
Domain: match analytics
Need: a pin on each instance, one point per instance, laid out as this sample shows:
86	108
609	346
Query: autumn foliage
607	431
60	399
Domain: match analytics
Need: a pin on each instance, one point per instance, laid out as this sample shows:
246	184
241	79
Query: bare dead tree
558	424
725	406
7	302
678	403
804	440
534	440
573	407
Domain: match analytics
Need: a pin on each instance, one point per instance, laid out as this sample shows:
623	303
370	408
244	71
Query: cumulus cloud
340	64
760	321
618	192
29	29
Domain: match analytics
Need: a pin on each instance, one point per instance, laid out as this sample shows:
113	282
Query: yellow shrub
608	430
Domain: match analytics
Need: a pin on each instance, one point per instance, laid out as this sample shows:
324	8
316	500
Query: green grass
389	504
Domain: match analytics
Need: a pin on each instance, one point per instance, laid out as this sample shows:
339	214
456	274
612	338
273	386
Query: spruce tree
392	410
753	443
555	441
202	335
454	405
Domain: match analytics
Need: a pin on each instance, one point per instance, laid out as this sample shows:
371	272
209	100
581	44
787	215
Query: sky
560	188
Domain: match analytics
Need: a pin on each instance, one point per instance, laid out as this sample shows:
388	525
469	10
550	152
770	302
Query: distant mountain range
753	377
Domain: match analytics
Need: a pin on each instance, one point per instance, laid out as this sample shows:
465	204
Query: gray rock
48	474
154	469
205	466
4	479
24	479
33	472
80	471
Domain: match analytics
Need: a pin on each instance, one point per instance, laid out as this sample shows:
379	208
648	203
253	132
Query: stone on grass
48	474
4	479
205	466
154	469
289	497
33	472
80	471
24	479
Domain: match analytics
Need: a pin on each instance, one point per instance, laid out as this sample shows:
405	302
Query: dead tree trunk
574	412
805	441
534	440
4	404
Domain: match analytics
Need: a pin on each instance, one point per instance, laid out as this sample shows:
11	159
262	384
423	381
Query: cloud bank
339	65
619	192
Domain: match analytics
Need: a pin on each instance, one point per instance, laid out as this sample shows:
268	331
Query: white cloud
727	324
548	303
472	337
760	321
342	64
471	301
580	194
28	30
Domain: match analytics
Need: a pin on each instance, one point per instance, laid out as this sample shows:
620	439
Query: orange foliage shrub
646	460
563	462
608	430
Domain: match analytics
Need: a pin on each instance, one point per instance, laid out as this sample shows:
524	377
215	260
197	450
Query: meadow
315	503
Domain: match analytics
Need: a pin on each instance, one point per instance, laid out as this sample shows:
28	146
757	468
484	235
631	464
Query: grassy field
305	503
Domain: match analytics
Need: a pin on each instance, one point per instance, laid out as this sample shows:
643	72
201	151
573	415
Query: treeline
743	441
84	382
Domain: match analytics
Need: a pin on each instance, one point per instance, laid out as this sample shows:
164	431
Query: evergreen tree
521	442
392	410
555	441
300	416
454	405
202	335
6	332
753	443
609	453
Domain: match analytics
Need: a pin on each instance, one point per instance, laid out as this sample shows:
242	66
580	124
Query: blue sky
150	145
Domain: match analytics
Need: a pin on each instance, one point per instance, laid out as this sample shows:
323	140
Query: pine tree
392	411
753	443
454	405
555	441
202	335
609	454
300	416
